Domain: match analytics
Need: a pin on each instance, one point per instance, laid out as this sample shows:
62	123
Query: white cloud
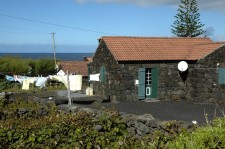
220	37
217	5
209	31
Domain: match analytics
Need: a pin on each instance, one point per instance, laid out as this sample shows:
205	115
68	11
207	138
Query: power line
58	25
10	32
16	32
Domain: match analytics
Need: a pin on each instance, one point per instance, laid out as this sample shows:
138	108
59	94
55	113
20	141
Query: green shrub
28	67
5	85
59	130
45	67
204	137
14	65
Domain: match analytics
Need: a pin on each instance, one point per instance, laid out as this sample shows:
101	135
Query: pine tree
187	23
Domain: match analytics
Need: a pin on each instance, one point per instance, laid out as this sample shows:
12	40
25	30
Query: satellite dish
182	66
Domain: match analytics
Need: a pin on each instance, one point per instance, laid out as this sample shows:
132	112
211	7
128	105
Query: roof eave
144	61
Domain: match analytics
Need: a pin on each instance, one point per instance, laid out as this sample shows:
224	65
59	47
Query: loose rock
98	127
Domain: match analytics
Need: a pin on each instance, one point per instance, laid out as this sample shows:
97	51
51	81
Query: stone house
138	68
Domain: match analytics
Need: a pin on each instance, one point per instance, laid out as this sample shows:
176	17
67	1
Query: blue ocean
59	56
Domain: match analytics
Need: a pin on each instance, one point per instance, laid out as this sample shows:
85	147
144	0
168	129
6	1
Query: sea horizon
59	56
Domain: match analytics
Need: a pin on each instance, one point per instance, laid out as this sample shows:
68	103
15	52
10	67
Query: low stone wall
138	126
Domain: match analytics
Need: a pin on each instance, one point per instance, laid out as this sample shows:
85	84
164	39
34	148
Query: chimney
85	58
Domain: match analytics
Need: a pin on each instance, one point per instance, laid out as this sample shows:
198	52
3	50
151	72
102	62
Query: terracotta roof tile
201	51
78	67
158	48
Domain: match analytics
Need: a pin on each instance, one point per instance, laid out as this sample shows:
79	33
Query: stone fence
138	125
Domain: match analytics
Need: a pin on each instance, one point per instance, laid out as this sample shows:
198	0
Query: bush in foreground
23	125
30	130
211	136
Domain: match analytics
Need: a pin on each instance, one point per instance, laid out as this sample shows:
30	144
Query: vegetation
187	23
6	85
14	65
22	125
57	130
44	67
211	136
28	67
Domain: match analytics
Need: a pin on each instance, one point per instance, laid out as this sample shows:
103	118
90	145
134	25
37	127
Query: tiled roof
158	48
78	67
201	51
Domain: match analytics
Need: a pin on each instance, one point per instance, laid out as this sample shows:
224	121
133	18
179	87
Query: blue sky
25	25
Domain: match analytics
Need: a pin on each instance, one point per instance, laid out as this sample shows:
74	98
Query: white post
69	95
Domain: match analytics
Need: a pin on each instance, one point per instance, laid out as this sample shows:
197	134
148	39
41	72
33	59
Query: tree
187	23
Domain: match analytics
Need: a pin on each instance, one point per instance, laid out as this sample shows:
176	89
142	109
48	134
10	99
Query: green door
148	83
154	83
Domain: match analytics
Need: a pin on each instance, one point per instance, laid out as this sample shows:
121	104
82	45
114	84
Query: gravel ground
162	110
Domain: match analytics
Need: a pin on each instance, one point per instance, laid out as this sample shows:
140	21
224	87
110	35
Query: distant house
137	68
76	67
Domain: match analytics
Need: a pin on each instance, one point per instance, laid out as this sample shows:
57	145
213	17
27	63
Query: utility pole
54	51
68	89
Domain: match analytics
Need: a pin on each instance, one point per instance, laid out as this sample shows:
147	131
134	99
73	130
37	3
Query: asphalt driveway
164	110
